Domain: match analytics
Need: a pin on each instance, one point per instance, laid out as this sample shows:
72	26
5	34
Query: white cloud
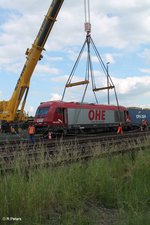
145	70
58	79
109	58
145	54
111	25
55	97
133	86
45	69
119	29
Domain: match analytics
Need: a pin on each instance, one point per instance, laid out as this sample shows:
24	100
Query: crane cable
87	24
87	11
87	27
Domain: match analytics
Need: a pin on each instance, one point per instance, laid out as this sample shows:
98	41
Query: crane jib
48	23
45	30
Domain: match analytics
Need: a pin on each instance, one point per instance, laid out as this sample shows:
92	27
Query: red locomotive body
69	117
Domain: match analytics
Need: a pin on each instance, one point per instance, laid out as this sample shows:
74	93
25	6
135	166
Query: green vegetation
114	190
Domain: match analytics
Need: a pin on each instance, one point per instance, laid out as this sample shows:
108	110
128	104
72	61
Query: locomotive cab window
42	111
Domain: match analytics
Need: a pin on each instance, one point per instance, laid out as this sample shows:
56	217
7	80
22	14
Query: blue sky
120	31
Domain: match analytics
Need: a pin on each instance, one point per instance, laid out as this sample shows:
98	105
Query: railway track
64	150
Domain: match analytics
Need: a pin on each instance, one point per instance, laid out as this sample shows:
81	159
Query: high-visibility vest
120	130
31	130
144	123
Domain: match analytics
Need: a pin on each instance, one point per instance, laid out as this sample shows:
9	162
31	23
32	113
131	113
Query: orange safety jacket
119	130
31	130
144	123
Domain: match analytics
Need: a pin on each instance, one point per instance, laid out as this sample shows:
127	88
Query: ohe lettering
96	114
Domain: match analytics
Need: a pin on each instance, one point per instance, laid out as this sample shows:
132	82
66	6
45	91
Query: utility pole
108	83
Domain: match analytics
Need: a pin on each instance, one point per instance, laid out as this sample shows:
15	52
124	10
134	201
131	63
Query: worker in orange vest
31	133
120	129
144	125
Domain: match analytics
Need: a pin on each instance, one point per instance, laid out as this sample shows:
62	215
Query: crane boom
8	109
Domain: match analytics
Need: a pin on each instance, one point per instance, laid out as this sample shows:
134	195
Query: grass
110	191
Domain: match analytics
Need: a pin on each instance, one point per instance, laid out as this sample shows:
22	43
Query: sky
120	31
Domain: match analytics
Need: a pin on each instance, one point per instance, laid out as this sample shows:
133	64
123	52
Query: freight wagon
138	114
70	117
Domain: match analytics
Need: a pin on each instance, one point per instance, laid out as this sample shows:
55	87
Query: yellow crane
9	110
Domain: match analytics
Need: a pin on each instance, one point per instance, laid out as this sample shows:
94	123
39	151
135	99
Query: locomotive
75	117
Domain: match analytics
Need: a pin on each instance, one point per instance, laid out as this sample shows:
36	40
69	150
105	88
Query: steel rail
62	151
